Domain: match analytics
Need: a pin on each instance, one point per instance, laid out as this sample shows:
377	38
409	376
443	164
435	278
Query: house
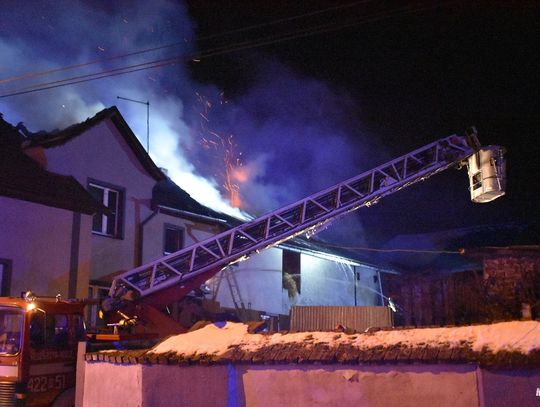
149	216
46	218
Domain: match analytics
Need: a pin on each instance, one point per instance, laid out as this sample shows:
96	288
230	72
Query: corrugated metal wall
326	318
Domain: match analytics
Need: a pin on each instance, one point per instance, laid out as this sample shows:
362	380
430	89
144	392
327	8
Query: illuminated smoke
285	138
43	36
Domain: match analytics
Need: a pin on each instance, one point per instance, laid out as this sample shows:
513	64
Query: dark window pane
97	223
96	192
111	225
79	328
113	201
174	240
37	324
291	278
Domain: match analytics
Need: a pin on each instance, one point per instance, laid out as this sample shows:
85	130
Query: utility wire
249	44
203	38
460	251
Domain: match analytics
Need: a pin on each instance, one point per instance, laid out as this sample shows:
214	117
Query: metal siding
326	318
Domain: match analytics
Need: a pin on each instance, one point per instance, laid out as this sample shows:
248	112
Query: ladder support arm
298	218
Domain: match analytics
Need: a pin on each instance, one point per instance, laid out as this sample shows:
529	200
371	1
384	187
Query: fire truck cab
38	350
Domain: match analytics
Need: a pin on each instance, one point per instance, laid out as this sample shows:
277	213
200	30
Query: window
5	277
79	328
56	330
49	330
96	290
112	197
37	332
11	321
173	238
291	280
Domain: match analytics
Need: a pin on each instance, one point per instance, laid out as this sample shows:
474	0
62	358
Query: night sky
361	83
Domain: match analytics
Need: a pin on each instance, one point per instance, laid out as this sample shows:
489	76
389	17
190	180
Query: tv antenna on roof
147	103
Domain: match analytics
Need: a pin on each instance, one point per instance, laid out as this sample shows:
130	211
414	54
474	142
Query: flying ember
229	172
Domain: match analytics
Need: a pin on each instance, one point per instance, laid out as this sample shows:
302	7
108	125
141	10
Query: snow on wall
307	384
216	339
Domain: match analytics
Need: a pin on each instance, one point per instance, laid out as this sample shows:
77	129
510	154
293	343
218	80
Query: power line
249	44
371	249
203	38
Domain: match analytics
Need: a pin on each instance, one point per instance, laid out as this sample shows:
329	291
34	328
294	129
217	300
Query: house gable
113	116
21	177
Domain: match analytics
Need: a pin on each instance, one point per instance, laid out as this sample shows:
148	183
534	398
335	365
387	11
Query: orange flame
232	171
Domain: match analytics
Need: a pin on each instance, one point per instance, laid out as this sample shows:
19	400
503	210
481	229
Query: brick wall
513	283
496	293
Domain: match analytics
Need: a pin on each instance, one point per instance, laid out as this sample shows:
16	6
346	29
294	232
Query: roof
167	194
441	250
23	178
314	245
507	344
60	137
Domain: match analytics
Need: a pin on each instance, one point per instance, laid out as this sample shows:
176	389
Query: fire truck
40	335
38	349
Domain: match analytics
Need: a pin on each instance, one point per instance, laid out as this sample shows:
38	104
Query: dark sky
359	84
417	76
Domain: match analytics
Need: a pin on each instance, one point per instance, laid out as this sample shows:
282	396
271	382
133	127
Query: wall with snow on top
225	365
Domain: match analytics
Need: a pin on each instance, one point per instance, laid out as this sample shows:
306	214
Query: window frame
120	208
291	263
177	228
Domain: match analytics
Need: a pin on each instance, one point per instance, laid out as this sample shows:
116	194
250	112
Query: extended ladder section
304	216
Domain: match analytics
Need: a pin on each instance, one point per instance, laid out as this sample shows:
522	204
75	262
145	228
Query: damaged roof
168	195
23	178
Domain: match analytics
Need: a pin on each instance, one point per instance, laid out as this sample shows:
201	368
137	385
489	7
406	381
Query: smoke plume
285	137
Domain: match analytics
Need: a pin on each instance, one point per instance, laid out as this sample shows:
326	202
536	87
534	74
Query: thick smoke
295	135
39	36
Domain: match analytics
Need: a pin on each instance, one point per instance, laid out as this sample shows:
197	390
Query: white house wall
259	282
37	240
323	282
153	234
102	154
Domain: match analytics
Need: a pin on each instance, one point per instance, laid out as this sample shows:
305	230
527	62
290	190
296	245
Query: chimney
36	153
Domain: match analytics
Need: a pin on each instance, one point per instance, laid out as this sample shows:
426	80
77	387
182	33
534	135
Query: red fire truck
38	350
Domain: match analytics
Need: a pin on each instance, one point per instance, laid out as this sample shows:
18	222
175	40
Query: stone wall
514	284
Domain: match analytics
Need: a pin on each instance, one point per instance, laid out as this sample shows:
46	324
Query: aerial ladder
145	290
